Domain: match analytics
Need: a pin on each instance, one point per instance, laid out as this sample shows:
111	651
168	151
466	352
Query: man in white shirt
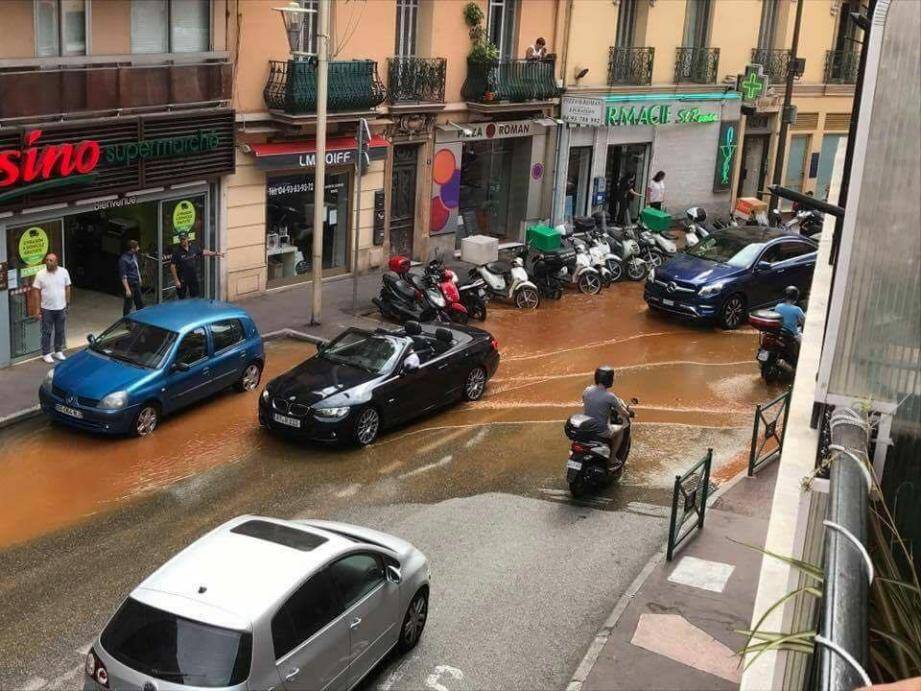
53	285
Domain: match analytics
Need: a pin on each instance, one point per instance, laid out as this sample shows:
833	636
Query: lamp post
294	15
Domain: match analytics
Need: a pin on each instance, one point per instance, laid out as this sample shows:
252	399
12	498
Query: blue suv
731	272
152	363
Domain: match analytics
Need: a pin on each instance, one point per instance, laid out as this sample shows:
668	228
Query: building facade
115	125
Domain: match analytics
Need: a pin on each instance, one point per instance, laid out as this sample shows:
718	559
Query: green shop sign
126	154
657	115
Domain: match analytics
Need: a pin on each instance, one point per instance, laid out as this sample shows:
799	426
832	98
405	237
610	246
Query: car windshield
135	343
727	248
175	649
373	353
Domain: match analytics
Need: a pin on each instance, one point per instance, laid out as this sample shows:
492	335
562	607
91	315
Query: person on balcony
538	51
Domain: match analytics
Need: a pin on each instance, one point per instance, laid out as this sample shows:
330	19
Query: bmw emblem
150	686
671	287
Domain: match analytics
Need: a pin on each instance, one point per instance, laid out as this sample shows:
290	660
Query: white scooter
509	281
696	228
581	272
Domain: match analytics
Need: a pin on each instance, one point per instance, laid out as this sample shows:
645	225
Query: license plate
574	465
285	420
670	303
68	411
763	355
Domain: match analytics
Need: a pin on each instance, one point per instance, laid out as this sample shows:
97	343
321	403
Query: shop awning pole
319	179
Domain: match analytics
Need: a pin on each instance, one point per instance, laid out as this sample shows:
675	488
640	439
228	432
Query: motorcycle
650	250
549	270
806	222
401	297
590	465
696	227
625	246
471	297
580	272
509	281
454	310
778	349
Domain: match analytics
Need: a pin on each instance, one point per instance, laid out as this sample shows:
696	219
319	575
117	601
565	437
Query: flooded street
83	518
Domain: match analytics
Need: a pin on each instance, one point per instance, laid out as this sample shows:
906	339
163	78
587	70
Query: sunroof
280	535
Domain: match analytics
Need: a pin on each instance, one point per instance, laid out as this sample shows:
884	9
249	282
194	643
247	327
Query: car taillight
95	669
494	343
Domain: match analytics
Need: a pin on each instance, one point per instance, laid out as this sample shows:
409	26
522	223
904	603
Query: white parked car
261	603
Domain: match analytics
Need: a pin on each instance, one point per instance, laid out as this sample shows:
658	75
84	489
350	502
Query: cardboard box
749	206
479	249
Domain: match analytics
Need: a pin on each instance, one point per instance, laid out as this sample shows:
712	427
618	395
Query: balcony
29	92
776	63
630	66
696	65
413	81
841	66
510	81
353	86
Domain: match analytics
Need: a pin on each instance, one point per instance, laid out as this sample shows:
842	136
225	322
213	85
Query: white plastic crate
479	249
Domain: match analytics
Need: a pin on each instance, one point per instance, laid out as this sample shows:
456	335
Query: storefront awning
340	151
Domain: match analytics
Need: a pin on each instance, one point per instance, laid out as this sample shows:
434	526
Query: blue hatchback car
152	363
732	272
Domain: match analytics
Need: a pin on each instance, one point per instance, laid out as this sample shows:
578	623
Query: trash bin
656	220
543	238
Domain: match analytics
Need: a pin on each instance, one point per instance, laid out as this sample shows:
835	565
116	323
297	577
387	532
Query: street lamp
294	15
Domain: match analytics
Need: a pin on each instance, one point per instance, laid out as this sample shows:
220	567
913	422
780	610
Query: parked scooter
580	271
625	246
509	281
401	297
454	310
590	465
778	349
806	222
696	226
549	270
650	249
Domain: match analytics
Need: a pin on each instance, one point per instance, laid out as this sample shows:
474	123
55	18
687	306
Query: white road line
34	684
476	439
349	490
425	468
393	677
85	648
66	681
433	681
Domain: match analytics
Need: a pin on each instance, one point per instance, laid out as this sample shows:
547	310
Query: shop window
577	181
289	227
407	14
170	26
60	27
494	185
501	26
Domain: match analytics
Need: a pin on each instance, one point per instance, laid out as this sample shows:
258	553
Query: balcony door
697	23
845	39
407	18
626	24
501	26
767	31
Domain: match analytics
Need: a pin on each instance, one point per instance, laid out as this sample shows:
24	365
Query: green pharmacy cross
754	84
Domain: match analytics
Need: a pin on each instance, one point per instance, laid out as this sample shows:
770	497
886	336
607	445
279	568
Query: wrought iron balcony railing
696	65
841	66
416	80
630	66
776	63
513	81
99	88
353	85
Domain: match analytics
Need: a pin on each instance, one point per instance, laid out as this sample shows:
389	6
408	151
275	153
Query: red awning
309	146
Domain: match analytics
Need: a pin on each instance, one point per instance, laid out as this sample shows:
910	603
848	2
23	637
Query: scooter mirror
634	400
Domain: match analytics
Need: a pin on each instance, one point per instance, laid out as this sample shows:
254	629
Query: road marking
441	441
477	438
393	677
390	467
425	468
433	681
34	684
349	490
702	573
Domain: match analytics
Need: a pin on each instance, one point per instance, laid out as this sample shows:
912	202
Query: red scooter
446	280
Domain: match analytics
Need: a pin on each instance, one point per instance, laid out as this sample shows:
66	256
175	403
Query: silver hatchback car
261	603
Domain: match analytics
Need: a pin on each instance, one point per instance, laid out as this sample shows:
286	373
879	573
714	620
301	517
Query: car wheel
367	426
475	384
146	421
250	378
732	312
414	621
617	270
527	298
590	283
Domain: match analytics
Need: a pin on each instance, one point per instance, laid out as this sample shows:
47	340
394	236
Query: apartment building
115	125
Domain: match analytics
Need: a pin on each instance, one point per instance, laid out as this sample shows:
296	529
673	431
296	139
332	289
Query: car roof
231	578
185	315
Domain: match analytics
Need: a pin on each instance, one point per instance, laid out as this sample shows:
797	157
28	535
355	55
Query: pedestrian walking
655	193
184	265
130	274
53	285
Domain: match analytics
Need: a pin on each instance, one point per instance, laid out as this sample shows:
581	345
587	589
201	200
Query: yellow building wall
537	18
449	39
17	31
664	32
262	38
735	33
817	35
591	35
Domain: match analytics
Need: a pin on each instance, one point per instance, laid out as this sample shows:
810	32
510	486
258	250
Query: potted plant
483	57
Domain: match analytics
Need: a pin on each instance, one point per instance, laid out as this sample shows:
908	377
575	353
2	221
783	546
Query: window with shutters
407	13
170	26
501	26
60	27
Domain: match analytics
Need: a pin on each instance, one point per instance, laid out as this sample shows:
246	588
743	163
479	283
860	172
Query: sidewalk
274	313
675	627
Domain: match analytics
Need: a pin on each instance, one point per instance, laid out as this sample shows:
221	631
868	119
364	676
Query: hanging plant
483	51
473	14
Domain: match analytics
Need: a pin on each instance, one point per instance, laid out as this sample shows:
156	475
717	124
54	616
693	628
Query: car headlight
331	413
48	380
265	395
114	401
711	290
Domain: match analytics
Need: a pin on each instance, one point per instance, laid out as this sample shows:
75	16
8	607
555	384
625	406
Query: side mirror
394	575
761	267
181	367
410	367
90	338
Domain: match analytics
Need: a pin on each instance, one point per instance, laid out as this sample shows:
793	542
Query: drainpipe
567	27
319	178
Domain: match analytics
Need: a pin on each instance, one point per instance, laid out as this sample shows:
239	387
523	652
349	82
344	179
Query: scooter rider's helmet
791	293
605	376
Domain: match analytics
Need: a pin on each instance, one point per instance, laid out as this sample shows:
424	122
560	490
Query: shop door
185	215
754	165
830	144
626	161
796	164
26	250
577	181
403	200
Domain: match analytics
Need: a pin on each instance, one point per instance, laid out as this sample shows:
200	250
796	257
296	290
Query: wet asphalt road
523	577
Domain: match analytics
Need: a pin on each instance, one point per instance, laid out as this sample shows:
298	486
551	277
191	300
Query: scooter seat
668	236
399	286
499	267
583	223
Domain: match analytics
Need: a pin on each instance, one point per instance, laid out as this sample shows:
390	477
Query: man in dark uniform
184	265
130	275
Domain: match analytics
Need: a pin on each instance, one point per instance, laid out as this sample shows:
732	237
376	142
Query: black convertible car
364	381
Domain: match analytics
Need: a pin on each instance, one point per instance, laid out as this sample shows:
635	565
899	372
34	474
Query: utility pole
788	97
362	159
319	178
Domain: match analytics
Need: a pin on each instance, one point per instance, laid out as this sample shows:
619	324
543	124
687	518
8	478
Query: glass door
796	165
577	181
830	143
26	247
627	168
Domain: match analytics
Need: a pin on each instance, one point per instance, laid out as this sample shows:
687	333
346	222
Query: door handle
292	674
207	370
356	622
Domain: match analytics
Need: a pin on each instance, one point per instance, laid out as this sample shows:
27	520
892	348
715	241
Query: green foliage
484	53
473	15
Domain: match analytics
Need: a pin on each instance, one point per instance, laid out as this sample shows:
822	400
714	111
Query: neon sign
725	156
658	115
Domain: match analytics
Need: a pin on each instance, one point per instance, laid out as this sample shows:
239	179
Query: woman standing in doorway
655	193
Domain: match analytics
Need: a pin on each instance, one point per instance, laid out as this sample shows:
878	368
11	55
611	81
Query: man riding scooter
792	314
599	403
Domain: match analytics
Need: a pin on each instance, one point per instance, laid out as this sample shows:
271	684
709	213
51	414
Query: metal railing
768	432
631	66
696	65
514	81
841	66
353	85
776	62
689	503
416	80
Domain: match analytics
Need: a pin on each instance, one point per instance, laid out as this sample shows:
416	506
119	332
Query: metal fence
689	503
768	431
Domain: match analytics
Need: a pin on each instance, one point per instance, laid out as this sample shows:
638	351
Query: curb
604	633
20	416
